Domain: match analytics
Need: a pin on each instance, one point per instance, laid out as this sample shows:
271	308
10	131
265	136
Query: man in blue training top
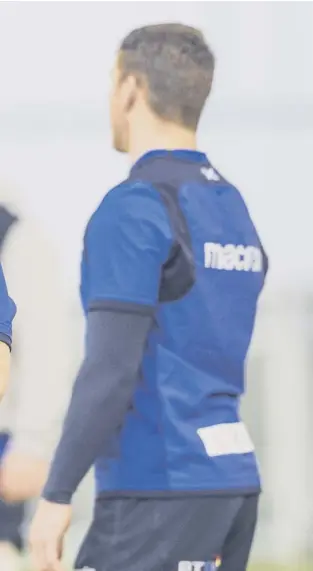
7	314
171	273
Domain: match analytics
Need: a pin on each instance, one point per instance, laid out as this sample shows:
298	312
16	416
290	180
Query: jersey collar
186	155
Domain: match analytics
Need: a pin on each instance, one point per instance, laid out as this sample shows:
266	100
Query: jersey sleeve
7	312
127	242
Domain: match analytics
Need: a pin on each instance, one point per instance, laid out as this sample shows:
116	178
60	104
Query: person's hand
22	476
46	535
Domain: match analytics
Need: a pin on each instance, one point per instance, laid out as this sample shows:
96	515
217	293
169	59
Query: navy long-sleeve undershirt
101	395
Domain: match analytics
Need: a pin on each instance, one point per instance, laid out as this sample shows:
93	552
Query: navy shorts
170	534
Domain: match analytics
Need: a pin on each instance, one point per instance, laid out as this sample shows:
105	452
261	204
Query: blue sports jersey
176	241
7	312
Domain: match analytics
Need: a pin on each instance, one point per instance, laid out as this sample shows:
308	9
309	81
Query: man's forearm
101	396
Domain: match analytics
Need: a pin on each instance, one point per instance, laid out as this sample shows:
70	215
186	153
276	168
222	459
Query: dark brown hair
176	66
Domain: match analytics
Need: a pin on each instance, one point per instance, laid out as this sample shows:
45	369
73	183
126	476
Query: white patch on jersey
191	565
230	257
199	565
210	174
225	439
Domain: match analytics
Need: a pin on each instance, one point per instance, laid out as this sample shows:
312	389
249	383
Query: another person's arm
7	313
42	379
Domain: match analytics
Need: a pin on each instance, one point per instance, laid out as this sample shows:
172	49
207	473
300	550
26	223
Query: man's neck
165	136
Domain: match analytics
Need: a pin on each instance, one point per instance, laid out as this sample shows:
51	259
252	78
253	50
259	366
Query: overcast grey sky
258	127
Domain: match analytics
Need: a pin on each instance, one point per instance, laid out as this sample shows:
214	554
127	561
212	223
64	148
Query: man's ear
129	93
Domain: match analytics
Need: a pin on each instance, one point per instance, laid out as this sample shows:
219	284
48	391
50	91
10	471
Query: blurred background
56	163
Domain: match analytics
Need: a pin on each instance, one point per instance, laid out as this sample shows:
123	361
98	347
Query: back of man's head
175	66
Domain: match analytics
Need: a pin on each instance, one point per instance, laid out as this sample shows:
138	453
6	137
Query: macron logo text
232	258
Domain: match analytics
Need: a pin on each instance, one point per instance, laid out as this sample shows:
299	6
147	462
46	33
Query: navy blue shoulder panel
178	275
167	176
6	221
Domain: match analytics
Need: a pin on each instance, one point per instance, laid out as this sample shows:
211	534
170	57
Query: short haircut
175	64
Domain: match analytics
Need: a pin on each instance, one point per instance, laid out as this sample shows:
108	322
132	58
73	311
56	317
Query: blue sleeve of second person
7	312
127	242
